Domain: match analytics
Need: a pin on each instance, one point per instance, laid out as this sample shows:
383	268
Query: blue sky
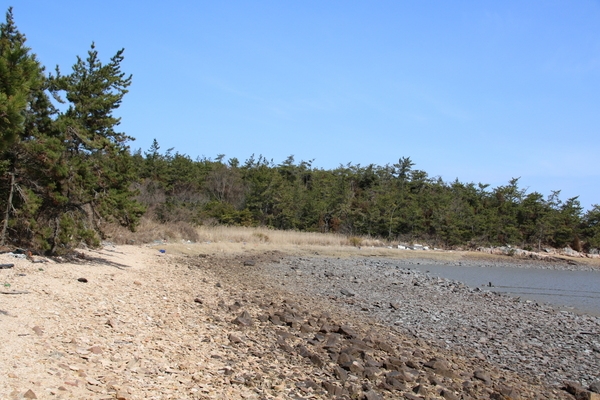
482	91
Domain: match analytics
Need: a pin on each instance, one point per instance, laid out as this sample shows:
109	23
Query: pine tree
24	109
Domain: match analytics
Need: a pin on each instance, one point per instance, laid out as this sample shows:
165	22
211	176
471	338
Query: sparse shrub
354	241
261	236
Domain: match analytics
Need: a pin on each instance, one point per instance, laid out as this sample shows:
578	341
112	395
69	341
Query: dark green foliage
68	174
394	202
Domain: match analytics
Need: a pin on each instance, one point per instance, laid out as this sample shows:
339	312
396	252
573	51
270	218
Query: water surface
576	290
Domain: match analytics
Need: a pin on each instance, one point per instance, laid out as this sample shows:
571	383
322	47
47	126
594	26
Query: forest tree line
66	173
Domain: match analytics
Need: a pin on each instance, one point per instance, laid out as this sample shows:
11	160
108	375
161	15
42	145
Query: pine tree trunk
8	207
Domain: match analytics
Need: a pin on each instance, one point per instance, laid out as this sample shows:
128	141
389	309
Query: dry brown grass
182	238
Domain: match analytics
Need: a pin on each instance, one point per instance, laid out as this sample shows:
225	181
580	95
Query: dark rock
345	358
340	373
329	328
372	395
249	263
372	373
83	280
595	387
355	367
347	331
579	392
285	347
233	338
383	346
244	319
448	395
482	376
198	300
332	389
420	390
315	359
395	384
263	318
437	364
508	391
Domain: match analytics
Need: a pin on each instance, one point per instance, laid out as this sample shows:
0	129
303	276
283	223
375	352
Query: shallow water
572	290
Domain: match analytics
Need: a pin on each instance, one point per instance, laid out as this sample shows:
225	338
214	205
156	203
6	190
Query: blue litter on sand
163	251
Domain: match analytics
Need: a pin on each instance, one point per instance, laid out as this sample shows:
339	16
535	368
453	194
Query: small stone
482	376
347	293
38	331
94	382
420	390
121	395
448	395
96	349
332	389
83	280
315	359
234	339
347	331
29	395
340	373
138	283
373	395
198	300
244	319
111	322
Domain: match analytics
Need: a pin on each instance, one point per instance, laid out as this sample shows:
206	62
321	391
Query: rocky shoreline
515	334
265	325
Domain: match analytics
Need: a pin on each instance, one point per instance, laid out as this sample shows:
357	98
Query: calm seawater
575	290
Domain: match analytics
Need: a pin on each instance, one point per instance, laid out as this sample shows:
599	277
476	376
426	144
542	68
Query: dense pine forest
67	173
